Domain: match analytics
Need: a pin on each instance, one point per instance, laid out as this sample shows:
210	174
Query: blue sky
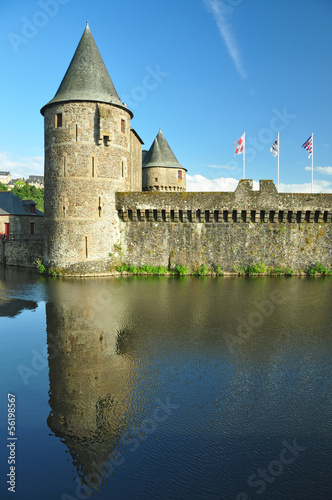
203	71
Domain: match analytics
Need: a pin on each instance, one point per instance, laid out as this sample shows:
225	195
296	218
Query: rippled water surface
166	388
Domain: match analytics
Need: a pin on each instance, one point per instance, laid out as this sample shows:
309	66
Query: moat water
167	388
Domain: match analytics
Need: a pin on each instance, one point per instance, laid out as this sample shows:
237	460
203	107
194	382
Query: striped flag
239	145
274	148
308	146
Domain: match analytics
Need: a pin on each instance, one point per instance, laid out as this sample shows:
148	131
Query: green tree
3	187
31	193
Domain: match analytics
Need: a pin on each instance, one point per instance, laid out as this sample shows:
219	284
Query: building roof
39	177
4	173
10	204
160	154
87	78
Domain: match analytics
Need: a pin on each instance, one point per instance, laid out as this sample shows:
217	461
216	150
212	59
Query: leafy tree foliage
31	193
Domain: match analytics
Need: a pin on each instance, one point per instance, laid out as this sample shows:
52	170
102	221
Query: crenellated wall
227	228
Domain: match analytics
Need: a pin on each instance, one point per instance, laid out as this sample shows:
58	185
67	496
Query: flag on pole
308	146
239	145
274	148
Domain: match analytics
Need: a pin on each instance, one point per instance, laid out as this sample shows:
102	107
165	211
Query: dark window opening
99	207
225	215
234	215
163	215
325	216
146	214
262	215
272	215
106	140
155	215
307	216
130	214
32	228
207	216
156	179
123	128
7	230
298	216
179	175
189	215
172	215
289	216
281	216
76	133
316	217
253	215
244	215
86	247
216	214
139	215
181	215
59	120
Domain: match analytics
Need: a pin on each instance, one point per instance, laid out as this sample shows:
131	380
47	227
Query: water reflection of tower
89	378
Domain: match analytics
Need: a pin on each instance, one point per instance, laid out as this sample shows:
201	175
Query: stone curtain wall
21	252
240	228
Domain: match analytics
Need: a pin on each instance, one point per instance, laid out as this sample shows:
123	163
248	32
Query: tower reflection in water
90	376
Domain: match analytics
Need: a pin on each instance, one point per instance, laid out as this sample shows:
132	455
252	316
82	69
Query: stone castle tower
91	152
161	169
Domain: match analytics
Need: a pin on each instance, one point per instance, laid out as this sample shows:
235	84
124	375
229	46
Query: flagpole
244	157
278	161
312	162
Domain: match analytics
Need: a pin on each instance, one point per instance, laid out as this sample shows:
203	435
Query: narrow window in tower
86	247
58	120
179	175
106	140
156	179
64	166
122	169
99	207
92	167
76	133
32	228
123	129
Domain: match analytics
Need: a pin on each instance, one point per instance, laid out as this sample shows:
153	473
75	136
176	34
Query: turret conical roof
87	78
160	154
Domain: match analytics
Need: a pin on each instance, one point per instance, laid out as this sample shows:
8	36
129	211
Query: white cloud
221	13
321	170
21	166
319	187
199	183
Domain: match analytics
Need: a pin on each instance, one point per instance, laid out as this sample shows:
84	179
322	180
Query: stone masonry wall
167	179
21	252
87	159
240	228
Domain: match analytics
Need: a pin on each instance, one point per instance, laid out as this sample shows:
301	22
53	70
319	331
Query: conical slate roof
160	154
87	78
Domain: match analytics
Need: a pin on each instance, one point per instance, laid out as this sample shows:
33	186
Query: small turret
161	169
